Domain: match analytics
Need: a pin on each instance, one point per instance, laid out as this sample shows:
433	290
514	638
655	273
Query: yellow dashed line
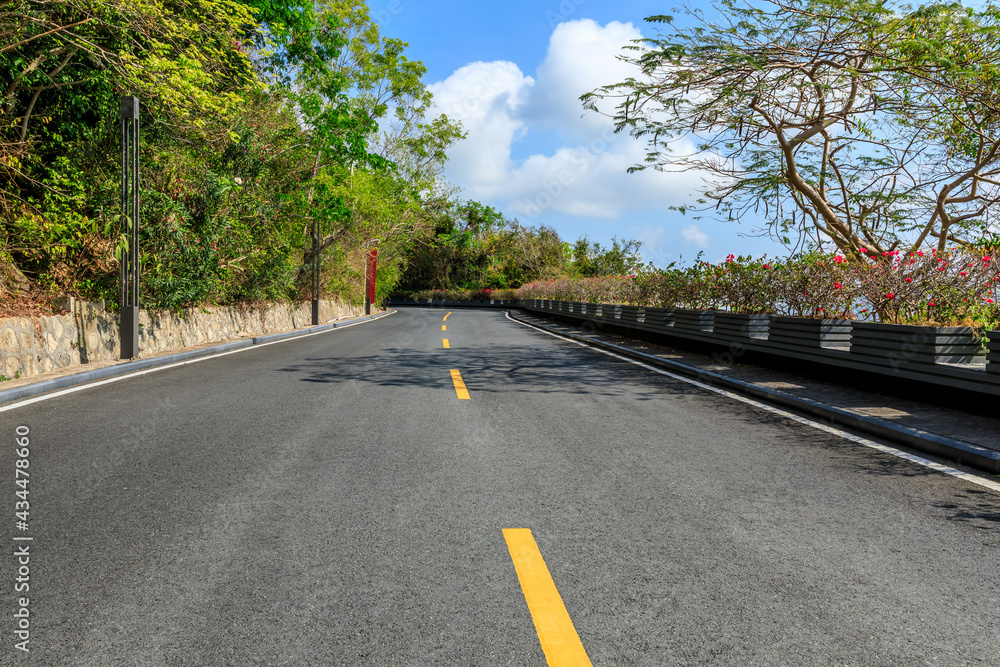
447	345
560	643
444	327
446	316
460	389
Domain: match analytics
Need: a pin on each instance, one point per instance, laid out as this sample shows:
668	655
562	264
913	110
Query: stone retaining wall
87	333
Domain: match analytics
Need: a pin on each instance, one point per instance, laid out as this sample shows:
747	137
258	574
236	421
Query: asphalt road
332	501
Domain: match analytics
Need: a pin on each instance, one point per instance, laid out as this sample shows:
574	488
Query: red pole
370	279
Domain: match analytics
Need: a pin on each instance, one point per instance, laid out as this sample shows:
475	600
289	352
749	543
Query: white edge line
919	460
117	378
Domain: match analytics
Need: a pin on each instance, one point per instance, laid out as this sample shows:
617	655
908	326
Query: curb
931	443
44	386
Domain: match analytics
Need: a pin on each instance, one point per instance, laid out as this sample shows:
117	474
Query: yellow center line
460	389
444	327
447	345
446	316
560	643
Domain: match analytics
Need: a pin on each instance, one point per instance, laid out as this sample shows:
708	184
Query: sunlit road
342	499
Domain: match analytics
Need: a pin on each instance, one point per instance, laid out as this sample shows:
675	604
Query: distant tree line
474	247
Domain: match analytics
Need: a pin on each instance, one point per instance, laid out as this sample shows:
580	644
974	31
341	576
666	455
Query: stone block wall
87	333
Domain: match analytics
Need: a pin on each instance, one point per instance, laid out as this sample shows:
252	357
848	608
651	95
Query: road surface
338	500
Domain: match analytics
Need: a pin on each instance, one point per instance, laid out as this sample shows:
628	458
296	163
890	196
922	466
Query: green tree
62	67
859	123
590	259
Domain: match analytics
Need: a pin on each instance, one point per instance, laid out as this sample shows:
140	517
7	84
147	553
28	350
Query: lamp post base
129	331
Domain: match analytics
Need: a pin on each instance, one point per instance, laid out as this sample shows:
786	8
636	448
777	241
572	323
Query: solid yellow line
444	328
560	643
447	345
460	389
446	316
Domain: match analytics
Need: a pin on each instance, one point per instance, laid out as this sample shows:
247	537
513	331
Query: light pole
129	323
315	272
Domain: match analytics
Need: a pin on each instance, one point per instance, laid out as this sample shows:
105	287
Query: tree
591	259
342	101
62	67
847	121
475	247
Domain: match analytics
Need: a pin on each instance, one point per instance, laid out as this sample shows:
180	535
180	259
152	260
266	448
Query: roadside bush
957	287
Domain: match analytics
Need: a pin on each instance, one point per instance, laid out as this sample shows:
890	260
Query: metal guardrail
945	356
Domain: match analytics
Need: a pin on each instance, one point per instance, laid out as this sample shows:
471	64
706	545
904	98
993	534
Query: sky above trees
512	73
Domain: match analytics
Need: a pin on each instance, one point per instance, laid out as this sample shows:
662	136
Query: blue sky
512	72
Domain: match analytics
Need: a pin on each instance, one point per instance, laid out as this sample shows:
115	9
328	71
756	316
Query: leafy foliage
871	126
259	119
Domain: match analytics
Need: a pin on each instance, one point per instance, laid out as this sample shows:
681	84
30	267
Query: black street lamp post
129	327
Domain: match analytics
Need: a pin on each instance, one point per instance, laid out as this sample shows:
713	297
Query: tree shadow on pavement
975	507
496	369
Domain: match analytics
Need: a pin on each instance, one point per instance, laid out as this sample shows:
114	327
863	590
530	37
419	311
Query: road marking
460	389
156	369
446	316
560	643
919	460
447	345
444	327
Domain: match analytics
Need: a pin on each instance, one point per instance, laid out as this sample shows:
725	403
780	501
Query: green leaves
817	113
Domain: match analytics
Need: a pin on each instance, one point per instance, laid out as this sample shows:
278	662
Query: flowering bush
958	287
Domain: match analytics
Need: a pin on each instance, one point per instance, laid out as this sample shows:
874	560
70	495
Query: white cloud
581	57
486	97
499	105
693	235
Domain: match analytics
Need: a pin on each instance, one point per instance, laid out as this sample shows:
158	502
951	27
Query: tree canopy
864	124
259	117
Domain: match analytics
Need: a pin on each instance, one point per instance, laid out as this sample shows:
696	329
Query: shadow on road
496	369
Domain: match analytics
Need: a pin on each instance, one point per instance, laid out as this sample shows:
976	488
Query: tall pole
315	273
371	272
315	244
129	324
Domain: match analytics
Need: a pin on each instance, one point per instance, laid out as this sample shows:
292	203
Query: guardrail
946	356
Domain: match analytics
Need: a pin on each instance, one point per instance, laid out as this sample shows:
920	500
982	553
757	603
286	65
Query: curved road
335	500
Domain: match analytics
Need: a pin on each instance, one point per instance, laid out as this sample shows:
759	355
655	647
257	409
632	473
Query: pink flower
920	253
964	273
989	300
890	296
909	280
767	266
837	286
839	259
